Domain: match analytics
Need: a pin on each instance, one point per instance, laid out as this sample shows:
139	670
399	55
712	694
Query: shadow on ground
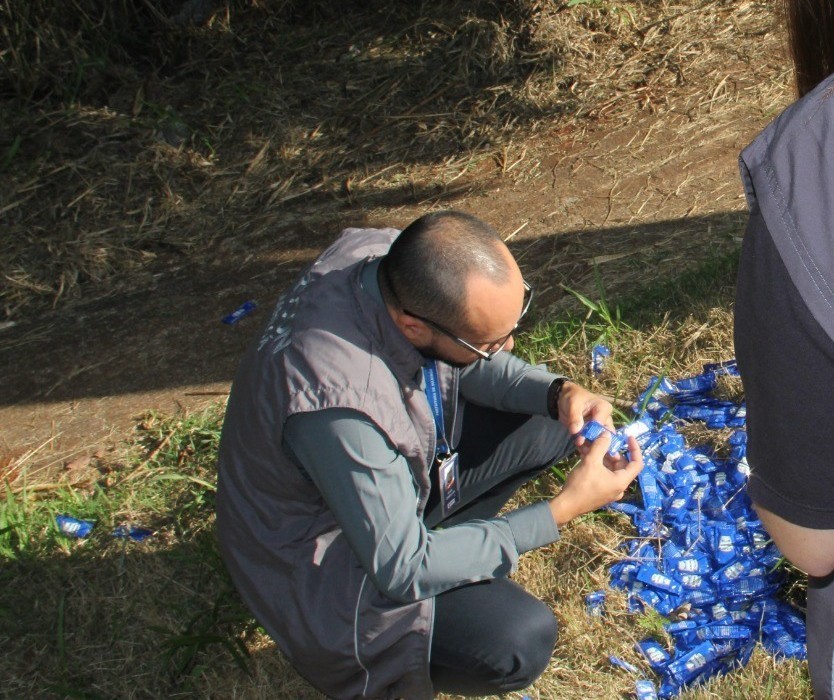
114	618
167	332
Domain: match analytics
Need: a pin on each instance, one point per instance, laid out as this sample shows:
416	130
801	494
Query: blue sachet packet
74	527
240	312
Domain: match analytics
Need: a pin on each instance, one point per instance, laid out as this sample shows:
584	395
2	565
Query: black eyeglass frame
501	342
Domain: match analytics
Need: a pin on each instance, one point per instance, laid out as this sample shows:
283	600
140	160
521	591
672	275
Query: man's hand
578	405
597	480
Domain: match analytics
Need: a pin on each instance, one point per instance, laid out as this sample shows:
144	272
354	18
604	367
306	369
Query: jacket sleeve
368	486
507	383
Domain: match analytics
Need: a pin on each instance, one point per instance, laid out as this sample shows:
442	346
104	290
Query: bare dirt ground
636	193
143	200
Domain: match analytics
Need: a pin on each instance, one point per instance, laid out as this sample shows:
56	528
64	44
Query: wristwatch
553	394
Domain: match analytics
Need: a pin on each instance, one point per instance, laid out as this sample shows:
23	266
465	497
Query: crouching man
373	433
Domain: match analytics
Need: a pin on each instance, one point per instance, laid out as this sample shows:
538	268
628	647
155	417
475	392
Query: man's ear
417	332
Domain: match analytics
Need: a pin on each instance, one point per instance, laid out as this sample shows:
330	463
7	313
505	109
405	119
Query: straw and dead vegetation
133	139
104	617
142	137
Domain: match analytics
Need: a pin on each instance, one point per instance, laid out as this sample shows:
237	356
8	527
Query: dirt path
645	196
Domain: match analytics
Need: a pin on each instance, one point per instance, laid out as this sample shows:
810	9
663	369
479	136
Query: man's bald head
430	262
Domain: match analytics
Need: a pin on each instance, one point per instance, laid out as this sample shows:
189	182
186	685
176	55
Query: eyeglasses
495	346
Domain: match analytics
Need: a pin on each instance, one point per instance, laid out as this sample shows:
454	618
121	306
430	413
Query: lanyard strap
436	405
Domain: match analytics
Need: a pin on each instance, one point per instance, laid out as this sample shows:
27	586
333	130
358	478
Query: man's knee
490	637
528	647
549	438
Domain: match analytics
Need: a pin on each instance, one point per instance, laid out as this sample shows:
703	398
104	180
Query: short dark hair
426	269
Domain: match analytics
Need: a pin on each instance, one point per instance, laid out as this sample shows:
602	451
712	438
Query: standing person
784	325
373	433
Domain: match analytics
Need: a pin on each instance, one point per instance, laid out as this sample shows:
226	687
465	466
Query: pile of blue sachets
702	558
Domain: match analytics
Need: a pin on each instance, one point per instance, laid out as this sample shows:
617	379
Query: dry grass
132	141
103	619
122	158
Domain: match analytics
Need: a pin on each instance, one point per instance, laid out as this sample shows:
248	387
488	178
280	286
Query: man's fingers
601	412
635	454
631	471
615	463
580	413
600	446
635	466
575	422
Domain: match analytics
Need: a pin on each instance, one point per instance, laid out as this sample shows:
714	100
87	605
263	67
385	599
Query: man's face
434	352
493	312
445	349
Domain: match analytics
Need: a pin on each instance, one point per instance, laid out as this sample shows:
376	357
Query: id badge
449	484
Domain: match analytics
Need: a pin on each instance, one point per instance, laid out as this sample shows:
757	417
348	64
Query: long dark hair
811	38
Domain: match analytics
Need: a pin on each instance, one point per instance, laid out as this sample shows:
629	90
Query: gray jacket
788	175
329	344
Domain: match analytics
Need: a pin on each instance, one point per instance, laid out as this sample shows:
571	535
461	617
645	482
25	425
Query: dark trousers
820	623
493	636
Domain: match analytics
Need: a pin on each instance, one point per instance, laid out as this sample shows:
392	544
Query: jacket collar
403	358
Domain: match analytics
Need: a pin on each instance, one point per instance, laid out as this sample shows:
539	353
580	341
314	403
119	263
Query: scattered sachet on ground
703	558
625	665
131	532
74	527
81	529
240	312
595	603
645	690
599	354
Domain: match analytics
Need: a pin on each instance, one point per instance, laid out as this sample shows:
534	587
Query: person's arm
809	550
368	486
508	383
